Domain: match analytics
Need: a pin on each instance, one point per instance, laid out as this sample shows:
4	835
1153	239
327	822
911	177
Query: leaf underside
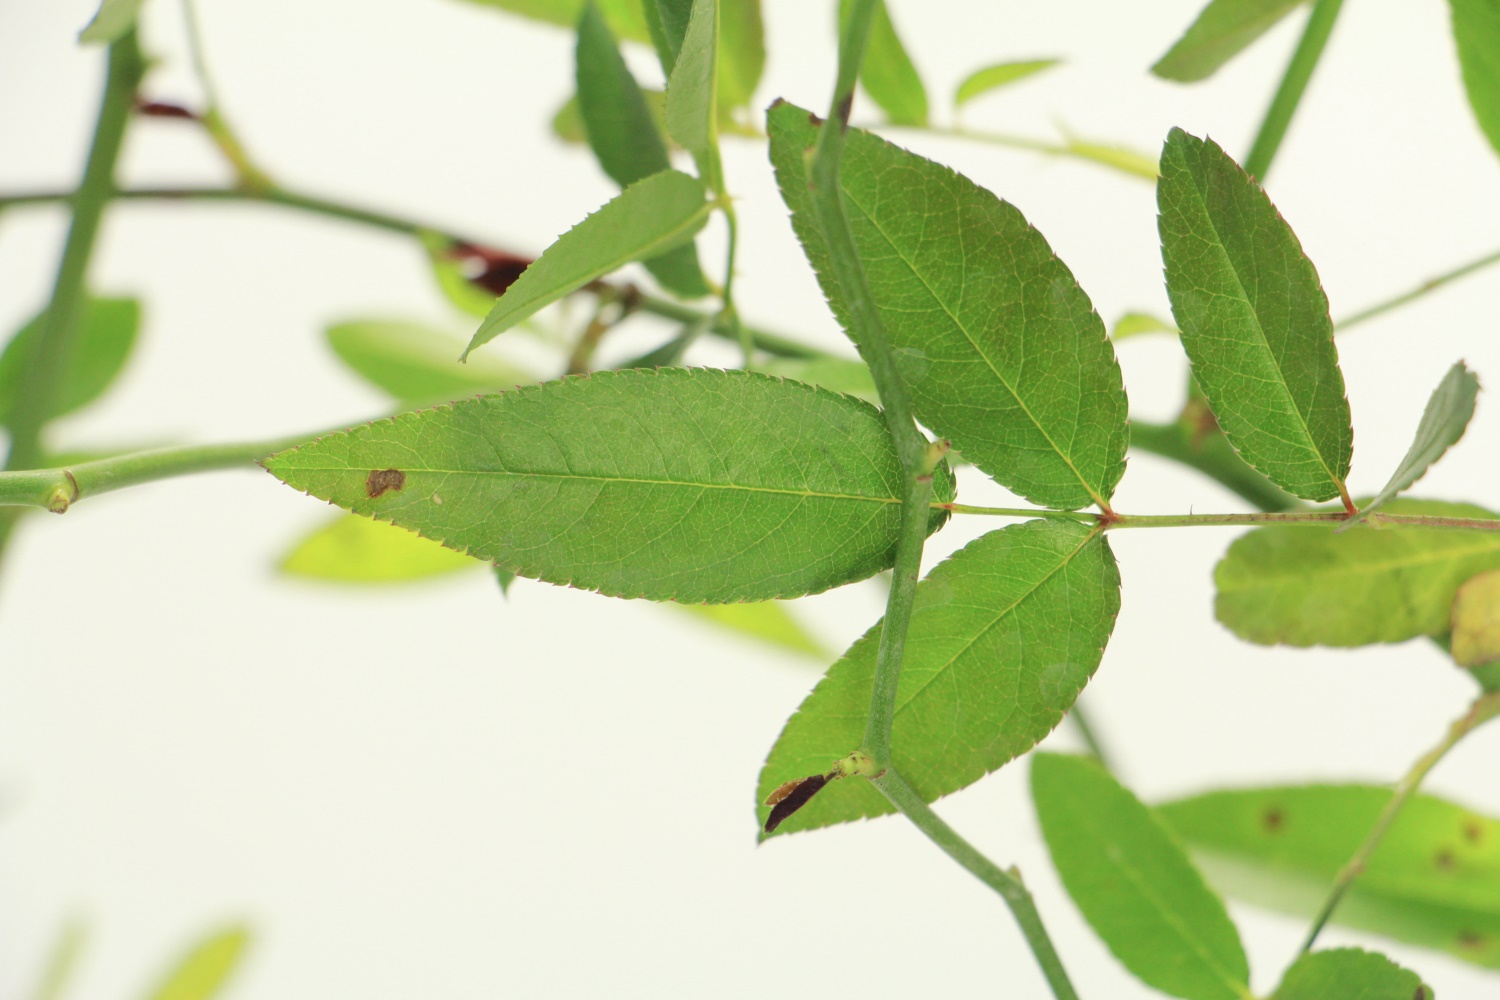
1254	320
1000	349
669	484
1004	635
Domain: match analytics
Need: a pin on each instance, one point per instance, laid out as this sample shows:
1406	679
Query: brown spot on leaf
380	480
1421	993
1470	940
1444	860
793	798
1473	831
163	109
1273	820
813	119
491	269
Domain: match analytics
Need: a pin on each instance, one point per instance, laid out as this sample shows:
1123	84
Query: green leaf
455	285
415	364
359	550
1004	634
1001	350
1434	880
1476	30
646	219
1133	882
106	335
887	73
113	19
672	484
1254	320
672	17
693	92
851	377
205	969
1443	422
764	621
1222	31
982	81
504	578
1476	621
1310	587
623	134
742	51
1134	324
625	17
1350	974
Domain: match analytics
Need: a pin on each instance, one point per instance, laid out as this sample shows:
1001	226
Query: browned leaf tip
790	797
380	480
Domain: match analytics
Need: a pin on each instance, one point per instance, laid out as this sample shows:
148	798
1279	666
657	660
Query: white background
427	791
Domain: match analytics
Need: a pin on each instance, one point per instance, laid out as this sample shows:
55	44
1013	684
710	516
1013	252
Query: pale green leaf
1350	974
983	81
1223	30
417	365
646	219
625	17
113	19
887	73
360	550
1254	320
682	484
1444	421
764	621
106	334
838	374
1476	621
1000	349
623	134
452	281
1004	635
62	961
203	971
1134	883
1134	324
1121	158
693	90
1310	587
1476	30
1434	880
742	51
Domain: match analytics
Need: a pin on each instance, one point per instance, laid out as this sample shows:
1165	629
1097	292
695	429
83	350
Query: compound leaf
417	365
107	332
1434	880
204	970
1476	30
1309	587
1350	974
1254	320
1001	350
694	485
1134	883
646	219
1444	421
360	550
982	81
887	73
1004	635
1222	31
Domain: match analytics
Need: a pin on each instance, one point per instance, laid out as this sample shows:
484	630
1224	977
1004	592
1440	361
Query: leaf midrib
1093	493
1260	330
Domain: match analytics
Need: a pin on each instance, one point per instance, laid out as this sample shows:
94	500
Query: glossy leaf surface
417	365
1313	587
1350	974
1004	635
645	220
1254	320
202	973
622	131
1134	883
990	78
887	73
1223	30
683	484
1476	30
1476	621
1001	350
354	549
106	335
1444	421
1433	881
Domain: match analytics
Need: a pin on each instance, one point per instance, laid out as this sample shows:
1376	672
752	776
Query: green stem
1485	708
1293	85
1007	883
1431	284
765	340
212	119
1305	519
46	364
58	489
1135	164
1090	737
729	314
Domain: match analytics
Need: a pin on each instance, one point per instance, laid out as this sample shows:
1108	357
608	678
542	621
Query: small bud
59	501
